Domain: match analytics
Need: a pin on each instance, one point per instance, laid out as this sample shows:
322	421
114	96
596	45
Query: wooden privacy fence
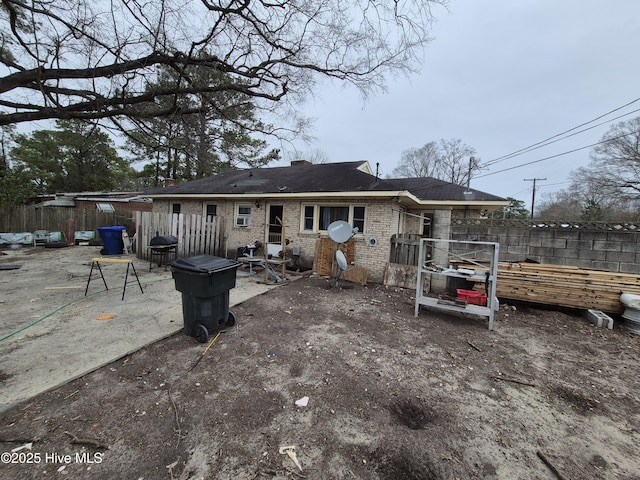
402	269
196	234
28	218
404	249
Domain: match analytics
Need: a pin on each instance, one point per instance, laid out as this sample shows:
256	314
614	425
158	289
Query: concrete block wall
609	250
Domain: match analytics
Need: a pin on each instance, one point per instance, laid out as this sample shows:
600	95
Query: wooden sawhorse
95	262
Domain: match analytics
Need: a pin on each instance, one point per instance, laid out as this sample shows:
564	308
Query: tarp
22	238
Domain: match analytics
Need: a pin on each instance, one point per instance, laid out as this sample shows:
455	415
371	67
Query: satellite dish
342	260
340	231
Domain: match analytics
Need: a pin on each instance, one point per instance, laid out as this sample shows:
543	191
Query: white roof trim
365	167
405	197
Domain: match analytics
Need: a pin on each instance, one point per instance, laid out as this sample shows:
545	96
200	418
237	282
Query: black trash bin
205	281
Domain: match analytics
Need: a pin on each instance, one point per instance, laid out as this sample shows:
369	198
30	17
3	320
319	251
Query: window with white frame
308	222
358	218
317	218
243	215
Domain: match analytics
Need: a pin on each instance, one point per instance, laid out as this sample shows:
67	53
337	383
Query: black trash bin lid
204	264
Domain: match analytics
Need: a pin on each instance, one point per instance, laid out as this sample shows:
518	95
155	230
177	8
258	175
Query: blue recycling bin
112	239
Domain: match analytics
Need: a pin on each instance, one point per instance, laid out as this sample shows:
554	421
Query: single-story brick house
308	197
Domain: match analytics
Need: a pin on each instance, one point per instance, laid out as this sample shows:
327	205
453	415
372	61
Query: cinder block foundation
600	319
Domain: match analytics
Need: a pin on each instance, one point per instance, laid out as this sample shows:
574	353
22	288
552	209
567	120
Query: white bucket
631	313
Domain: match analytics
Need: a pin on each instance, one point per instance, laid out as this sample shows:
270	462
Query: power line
554	184
540	187
537	144
559	154
537	161
548	186
518	192
545	143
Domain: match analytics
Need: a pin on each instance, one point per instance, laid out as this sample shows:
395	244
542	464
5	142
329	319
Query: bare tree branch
96	59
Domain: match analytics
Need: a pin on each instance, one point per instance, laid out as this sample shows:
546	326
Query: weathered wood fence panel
404	249
404	276
324	259
29	219
196	234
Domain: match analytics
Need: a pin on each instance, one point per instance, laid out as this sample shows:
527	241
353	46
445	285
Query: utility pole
472	162
533	194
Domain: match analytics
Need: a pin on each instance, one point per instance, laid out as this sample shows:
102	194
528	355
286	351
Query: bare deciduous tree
609	187
97	59
447	160
615	163
313	155
563	205
419	162
455	161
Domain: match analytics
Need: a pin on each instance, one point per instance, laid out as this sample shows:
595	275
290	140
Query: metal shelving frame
424	271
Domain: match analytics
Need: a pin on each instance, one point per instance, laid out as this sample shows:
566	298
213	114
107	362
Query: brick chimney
169	182
300	162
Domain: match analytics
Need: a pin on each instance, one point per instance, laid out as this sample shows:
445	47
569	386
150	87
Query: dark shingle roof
321	178
433	189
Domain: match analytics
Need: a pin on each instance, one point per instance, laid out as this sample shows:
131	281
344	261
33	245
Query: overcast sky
500	75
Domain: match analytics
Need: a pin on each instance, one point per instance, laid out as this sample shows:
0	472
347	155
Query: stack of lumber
565	286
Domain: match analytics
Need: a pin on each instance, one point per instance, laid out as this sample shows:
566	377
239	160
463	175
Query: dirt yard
390	396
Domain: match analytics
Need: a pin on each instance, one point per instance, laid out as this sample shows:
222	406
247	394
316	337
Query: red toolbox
473	297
